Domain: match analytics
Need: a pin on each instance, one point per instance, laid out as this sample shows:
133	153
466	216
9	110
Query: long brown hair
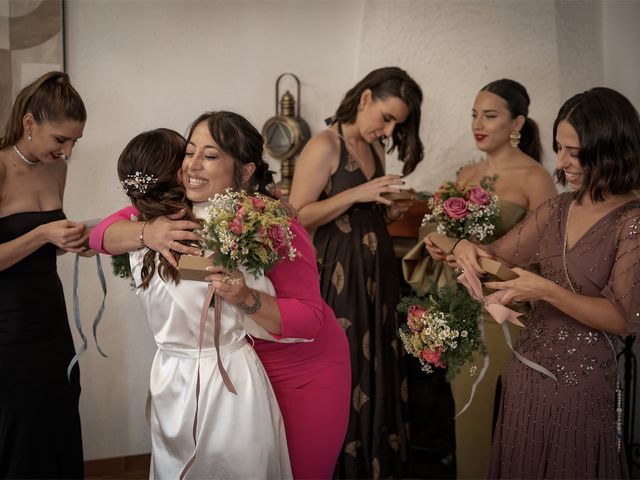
148	168
50	98
386	83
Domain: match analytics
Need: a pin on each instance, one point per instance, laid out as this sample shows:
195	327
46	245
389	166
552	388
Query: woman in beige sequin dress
338	188
586	243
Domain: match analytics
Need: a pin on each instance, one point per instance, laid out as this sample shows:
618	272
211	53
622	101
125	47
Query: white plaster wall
142	64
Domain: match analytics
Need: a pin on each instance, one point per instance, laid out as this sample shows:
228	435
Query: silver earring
29	135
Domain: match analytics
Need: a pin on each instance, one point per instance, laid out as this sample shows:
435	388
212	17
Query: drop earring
514	139
29	135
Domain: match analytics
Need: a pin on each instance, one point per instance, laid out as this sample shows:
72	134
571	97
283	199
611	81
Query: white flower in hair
138	182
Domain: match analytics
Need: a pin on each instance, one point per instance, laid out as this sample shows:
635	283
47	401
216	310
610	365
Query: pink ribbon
225	376
500	314
491	303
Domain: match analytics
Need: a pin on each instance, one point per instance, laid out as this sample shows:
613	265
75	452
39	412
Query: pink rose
479	196
455	207
236	225
415	312
257	203
277	236
433	357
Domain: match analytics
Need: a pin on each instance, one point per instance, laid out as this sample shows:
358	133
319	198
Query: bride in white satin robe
239	436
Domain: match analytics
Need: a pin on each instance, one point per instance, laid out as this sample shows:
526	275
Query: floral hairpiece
138	182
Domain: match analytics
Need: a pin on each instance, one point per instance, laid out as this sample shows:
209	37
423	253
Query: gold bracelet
141	237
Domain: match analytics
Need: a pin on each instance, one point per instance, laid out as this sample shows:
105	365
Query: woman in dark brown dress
338	188
564	424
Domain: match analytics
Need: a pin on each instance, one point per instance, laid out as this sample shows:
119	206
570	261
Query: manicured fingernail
209	269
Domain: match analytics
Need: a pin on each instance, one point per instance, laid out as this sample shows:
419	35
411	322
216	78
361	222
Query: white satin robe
239	436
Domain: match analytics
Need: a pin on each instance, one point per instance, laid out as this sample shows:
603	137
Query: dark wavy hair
608	127
157	153
517	99
389	82
51	98
239	139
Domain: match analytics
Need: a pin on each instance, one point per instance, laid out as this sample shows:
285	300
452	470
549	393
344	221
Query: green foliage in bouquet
442	328
122	267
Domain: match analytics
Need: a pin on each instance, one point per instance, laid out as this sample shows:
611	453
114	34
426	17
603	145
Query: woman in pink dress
311	380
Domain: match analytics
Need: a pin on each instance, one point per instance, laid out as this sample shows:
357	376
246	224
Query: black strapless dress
40	433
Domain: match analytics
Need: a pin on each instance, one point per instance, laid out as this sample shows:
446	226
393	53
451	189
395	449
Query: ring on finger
231	280
171	244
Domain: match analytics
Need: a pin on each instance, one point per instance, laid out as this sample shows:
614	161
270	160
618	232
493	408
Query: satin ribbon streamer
76	312
501	314
225	376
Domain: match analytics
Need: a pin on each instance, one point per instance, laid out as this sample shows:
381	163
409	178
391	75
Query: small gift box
495	269
498	270
194	268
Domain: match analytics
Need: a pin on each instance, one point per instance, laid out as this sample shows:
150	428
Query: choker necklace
23	158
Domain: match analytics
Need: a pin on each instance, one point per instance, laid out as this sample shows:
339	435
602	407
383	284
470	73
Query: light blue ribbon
76	312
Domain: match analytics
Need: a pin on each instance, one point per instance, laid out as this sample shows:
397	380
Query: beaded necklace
23	157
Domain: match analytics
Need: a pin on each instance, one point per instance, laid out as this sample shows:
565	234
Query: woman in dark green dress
339	189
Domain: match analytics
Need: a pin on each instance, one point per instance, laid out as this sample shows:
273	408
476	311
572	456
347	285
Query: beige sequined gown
567	429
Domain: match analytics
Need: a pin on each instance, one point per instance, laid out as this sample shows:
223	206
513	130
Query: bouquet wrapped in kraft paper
240	230
456	210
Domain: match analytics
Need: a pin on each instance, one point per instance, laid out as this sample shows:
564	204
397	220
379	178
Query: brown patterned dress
360	278
568	429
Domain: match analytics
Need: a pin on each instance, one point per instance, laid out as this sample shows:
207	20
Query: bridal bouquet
442	329
245	230
465	211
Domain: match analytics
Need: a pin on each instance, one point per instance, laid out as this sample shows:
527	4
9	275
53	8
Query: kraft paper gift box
194	268
498	270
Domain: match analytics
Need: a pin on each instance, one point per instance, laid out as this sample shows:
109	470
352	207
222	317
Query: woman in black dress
339	188
39	420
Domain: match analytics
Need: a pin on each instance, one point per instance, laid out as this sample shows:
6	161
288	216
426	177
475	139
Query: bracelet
455	245
250	310
141	237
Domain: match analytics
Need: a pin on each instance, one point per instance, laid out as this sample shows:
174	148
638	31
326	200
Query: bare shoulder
536	171
322	149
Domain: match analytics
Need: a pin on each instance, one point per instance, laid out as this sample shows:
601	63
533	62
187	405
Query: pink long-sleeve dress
311	380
